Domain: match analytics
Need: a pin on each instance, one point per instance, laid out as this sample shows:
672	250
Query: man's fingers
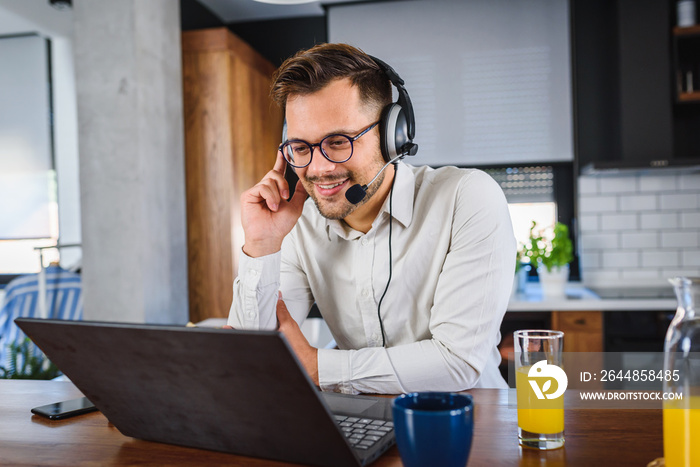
280	163
282	312
269	192
278	179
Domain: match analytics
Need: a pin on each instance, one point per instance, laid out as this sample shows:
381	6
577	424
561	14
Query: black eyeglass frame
352	139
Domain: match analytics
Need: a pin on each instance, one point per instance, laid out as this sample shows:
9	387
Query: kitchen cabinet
686	64
686	91
583	330
628	111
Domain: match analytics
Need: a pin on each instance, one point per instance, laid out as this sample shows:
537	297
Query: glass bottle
682	376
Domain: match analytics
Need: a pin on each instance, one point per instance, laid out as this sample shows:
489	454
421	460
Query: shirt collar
404	190
402	209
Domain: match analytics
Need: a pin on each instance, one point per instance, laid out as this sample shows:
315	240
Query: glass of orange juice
681	423
540	383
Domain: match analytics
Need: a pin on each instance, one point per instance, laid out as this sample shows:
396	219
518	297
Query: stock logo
542	370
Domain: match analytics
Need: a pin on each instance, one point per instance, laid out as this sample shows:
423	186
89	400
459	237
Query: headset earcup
393	131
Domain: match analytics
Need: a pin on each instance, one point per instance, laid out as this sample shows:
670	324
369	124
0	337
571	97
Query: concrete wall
128	70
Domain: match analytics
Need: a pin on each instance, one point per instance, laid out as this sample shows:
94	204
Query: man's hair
311	70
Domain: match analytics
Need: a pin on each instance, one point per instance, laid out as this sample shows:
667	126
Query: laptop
241	392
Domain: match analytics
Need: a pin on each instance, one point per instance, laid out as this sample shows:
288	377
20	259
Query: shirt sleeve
469	304
255	292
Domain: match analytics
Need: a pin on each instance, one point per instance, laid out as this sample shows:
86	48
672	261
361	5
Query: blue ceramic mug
434	428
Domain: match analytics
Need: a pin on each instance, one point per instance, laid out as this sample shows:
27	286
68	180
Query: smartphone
65	409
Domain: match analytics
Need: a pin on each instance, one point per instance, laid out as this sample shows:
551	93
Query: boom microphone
357	192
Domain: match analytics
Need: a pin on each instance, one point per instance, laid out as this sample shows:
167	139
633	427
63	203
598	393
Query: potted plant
551	256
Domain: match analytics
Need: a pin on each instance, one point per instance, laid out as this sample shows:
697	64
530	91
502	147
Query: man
413	281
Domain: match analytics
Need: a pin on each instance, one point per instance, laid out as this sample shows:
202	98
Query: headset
397	126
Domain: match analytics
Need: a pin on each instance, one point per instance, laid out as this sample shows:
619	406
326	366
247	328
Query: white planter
553	283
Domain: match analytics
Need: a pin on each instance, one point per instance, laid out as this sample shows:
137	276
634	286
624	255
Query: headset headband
404	100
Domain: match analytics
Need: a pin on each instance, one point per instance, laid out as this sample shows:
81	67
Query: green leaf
540	251
32	366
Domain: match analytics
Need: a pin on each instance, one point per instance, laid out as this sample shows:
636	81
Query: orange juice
681	432
535	415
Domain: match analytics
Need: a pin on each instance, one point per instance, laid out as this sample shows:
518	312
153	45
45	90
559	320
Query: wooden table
593	437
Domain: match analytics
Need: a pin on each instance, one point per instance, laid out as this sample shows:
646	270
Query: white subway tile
675	272
599	277
658	220
618	222
679	240
620	259
606	241
630	240
595	204
590	260
618	184
658	183
588	185
689	181
589	222
638	203
641	274
660	259
690	220
690	258
678	202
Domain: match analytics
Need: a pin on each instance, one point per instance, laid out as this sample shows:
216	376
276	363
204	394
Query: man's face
335	109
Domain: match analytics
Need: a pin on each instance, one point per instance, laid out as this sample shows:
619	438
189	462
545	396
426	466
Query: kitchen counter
579	298
582	315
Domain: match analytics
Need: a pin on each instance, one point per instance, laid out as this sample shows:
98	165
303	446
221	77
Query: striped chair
62	299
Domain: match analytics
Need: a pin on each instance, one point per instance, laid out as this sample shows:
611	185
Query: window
530	195
29	209
543	193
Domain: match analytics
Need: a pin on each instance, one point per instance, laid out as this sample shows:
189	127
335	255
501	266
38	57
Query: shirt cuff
260	272
334	371
259	282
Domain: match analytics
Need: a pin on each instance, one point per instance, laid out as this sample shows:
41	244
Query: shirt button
253	273
375	337
251	314
365	293
364	242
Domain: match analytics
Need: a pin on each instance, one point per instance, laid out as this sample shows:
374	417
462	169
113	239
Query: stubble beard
340	207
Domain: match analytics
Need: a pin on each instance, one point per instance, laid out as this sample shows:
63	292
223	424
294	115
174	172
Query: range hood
626	167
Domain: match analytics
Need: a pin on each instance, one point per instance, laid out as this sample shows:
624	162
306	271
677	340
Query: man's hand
266	215
305	353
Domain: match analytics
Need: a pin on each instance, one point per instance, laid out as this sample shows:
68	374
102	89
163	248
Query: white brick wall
638	230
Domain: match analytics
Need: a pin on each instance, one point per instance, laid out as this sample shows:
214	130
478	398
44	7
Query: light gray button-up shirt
453	257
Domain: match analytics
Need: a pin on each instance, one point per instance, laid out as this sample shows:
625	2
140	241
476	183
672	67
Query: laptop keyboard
363	433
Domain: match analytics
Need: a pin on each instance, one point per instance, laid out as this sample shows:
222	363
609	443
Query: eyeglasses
336	148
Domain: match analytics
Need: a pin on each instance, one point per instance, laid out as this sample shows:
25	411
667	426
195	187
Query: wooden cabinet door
232	130
583	330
